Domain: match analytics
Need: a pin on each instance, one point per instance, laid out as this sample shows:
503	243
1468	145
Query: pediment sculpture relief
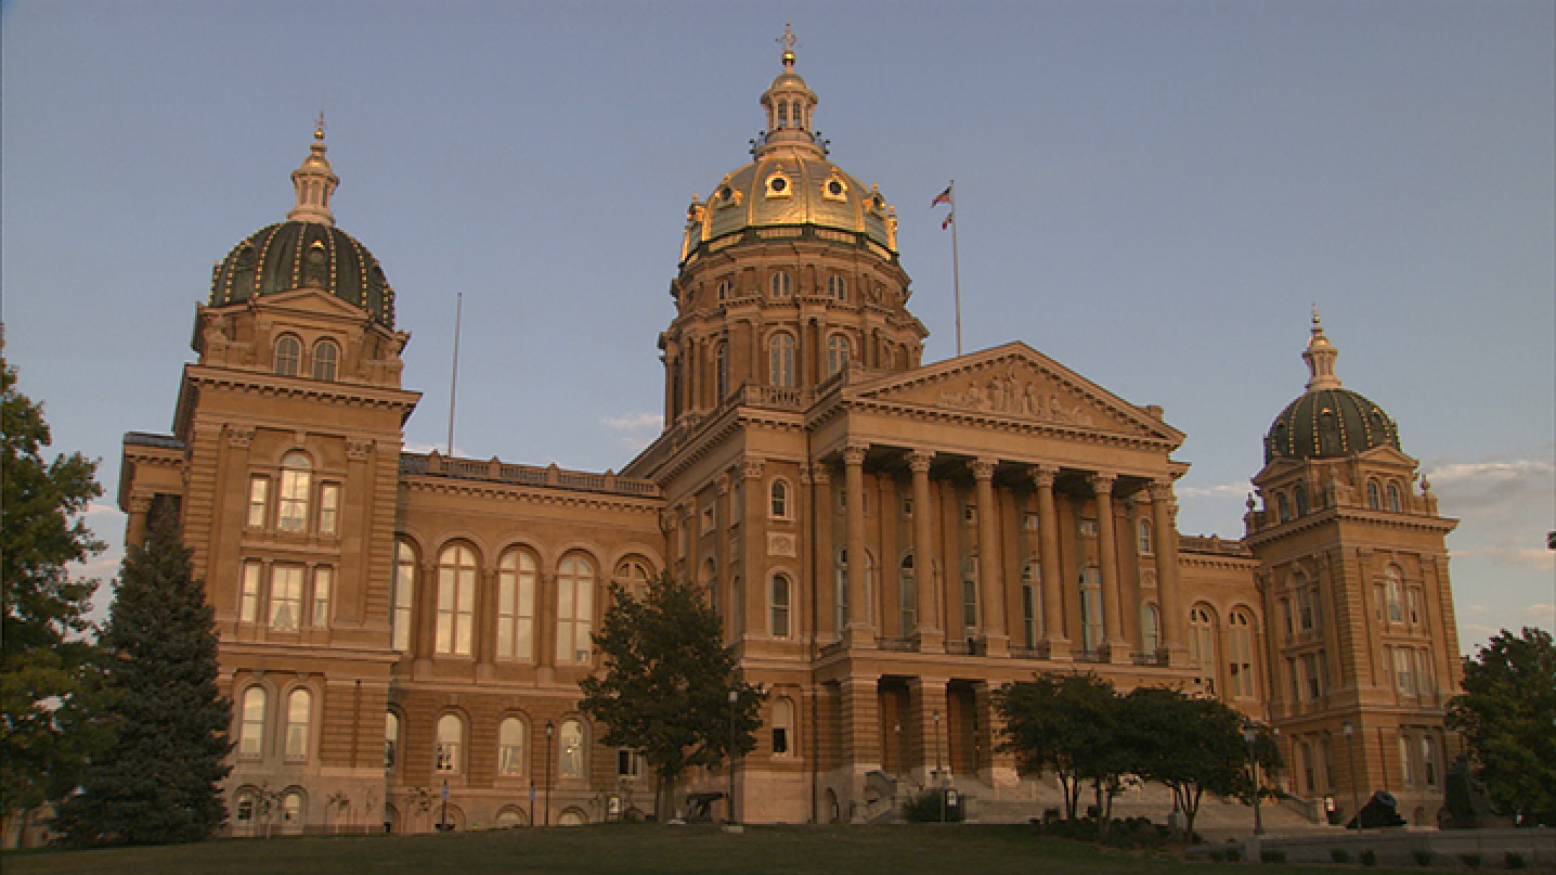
1007	393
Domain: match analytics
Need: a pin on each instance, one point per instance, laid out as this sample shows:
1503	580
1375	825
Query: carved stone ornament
1008	394
782	544
240	437
358	449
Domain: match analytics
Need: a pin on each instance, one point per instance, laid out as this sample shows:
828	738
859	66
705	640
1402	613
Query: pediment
316	302
1016	382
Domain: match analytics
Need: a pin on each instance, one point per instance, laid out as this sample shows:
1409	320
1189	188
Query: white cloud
1223	490
635	422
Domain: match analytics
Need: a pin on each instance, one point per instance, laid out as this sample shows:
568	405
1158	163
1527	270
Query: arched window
721	371
780	596
251	734
391	740
571	750
1396	501
632	575
296	487
837	287
778	493
326	360
1241	658
299	715
456	600
907	596
1374	495
289	354
575	609
510	747
1283	507
511	816
1143	540
781	284
783	727
244	805
450	742
1150	629
725	287
1301	494
1031	604
838	353
404	596
292	811
516	575
1202	646
781	360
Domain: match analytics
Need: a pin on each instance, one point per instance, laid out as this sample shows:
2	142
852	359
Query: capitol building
887	540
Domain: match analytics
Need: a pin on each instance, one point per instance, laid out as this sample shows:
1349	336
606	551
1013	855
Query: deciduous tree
1508	717
665	689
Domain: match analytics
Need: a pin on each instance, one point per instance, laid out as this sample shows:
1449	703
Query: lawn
925	849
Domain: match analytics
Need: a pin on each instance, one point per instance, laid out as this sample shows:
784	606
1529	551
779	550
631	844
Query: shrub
1369	857
1234	855
1514	860
1340	855
1272	856
1470	860
1218	856
1423	856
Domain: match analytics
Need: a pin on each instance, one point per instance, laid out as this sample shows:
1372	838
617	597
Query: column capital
1161	490
140	502
819	474
1102	483
240	436
853	453
983	467
752	467
920	460
358	449
1043	476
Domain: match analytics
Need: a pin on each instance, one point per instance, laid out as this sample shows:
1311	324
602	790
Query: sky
1154	193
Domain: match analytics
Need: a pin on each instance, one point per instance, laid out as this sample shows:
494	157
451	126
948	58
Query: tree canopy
158	783
46	654
1507	715
665	689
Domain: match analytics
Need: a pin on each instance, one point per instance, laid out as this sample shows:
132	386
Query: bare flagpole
453	387
949	197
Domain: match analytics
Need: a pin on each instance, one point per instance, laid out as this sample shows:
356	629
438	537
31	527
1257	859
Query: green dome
1327	423
304	255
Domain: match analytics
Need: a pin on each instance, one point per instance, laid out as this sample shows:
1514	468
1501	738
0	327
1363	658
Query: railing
959	648
1212	544
896	645
436	465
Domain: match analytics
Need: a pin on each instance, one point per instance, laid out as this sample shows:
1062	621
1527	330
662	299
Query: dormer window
782	285
326	358
778	185
289	355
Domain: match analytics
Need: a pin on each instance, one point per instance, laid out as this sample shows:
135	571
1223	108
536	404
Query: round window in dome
834	189
777	186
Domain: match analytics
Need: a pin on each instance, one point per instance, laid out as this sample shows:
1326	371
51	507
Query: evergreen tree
46	656
666	687
158	784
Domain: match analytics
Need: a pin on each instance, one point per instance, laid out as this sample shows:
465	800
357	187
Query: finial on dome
789	42
314	182
1320	355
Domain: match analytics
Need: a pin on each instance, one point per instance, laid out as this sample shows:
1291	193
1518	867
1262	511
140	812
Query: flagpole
956	272
453	387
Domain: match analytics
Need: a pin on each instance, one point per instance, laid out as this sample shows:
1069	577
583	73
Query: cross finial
789	41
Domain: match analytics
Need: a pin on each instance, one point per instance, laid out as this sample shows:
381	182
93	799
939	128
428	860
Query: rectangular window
1413	604
286	597
1305	610
907	601
1315	686
323	583
1429	760
1318	609
780	740
1091	609
1029	522
259	501
329	509
707	519
404	589
294	500
1029	615
1287	622
629	763
1295	678
969	604
970	514
779	620
1088	528
248	606
1404	671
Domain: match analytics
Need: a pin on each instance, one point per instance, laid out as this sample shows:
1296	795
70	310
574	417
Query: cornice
299	388
433	484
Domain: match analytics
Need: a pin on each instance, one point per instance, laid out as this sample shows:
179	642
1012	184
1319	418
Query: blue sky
1153	193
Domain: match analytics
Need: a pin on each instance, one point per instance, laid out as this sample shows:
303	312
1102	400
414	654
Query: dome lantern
790	105
1328	421
314	183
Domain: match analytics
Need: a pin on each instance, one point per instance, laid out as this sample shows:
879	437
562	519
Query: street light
1251	735
1350	751
939	774
734	697
550	731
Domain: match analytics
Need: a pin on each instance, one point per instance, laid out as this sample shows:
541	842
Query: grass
648	849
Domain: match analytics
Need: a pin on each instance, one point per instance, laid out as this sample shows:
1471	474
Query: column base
929	641
1058	648
861	638
994	645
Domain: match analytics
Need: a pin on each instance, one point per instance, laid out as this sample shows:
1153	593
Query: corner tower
788	273
1362	641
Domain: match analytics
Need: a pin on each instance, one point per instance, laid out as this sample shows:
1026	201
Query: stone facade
887	541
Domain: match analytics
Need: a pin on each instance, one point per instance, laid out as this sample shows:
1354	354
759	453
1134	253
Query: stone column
859	630
930	635
927	698
140	507
753	544
1053	575
991	585
1172	618
824	556
1112	594
860	736
486	624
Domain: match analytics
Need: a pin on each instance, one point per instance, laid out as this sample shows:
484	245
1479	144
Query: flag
943	198
949	218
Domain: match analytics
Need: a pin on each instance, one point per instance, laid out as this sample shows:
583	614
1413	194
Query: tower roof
306	251
1328	420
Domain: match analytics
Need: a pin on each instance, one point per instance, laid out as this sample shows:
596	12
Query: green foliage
1505	715
158	783
1067	723
666	684
1369	858
1340	855
930	806
1423	857
46	662
1271	855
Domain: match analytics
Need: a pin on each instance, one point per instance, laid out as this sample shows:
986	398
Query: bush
927	807
1340	855
1423	856
1234	855
1272	856
1514	860
1470	860
1217	856
1369	857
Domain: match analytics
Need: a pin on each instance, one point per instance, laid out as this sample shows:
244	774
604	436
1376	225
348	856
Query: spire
1320	355
789	103
314	182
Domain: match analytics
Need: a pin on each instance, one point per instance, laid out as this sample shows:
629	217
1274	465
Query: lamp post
734	697
938	772
1350	751
550	731
1250	735
441	764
